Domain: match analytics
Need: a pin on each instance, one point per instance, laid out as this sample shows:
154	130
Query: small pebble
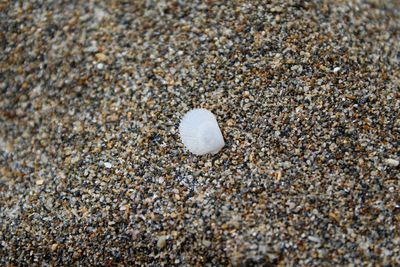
336	69
162	241
100	66
392	162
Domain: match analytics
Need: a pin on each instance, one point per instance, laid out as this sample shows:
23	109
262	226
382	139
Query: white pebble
336	69
392	162
100	66
200	132
108	165
314	239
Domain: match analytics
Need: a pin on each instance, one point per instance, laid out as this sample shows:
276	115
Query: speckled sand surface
92	170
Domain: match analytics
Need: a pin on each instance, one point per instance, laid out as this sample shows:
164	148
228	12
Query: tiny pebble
392	162
100	66
206	243
314	239
336	69
54	247
162	241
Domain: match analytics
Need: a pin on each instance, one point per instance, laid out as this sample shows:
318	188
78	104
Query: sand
92	170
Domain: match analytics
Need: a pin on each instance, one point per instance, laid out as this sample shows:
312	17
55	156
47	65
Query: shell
200	132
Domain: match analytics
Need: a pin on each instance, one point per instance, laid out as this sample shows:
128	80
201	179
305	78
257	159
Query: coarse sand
92	169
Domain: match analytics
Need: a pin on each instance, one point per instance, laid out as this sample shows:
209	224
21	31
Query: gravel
92	171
